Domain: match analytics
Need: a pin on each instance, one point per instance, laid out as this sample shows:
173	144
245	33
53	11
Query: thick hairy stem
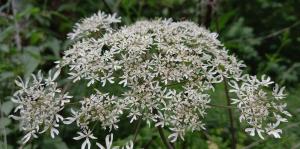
230	114
163	138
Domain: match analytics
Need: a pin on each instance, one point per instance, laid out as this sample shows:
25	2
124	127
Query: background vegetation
264	33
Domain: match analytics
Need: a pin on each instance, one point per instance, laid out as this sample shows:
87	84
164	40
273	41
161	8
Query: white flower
98	107
94	23
109	142
271	130
167	70
276	133
74	117
259	108
39	102
87	135
251	132
173	137
129	145
28	136
278	92
149	57
53	132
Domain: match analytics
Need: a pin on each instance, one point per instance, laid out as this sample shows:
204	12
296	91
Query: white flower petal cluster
98	107
96	23
262	110
39	103
109	142
166	67
87	134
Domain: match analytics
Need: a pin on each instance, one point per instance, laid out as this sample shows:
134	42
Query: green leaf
2	145
31	60
54	45
4	121
56	143
6	107
4	48
5	75
127	4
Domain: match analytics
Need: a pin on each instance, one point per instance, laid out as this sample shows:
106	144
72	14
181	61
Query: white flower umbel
98	107
86	134
263	111
109	141
39	103
94	24
168	68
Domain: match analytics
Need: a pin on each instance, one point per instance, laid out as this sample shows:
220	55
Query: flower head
39	103
95	23
166	71
166	67
262	111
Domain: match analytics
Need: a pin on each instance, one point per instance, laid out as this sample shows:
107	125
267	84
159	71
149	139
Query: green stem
163	138
107	6
162	135
146	146
137	128
221	106
230	114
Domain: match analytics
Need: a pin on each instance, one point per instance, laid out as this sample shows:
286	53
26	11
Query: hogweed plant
166	69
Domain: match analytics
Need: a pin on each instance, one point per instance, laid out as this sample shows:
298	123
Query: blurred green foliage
264	33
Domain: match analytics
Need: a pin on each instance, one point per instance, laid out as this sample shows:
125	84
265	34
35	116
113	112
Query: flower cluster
263	111
96	23
39	103
87	134
109	141
166	70
98	107
166	67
